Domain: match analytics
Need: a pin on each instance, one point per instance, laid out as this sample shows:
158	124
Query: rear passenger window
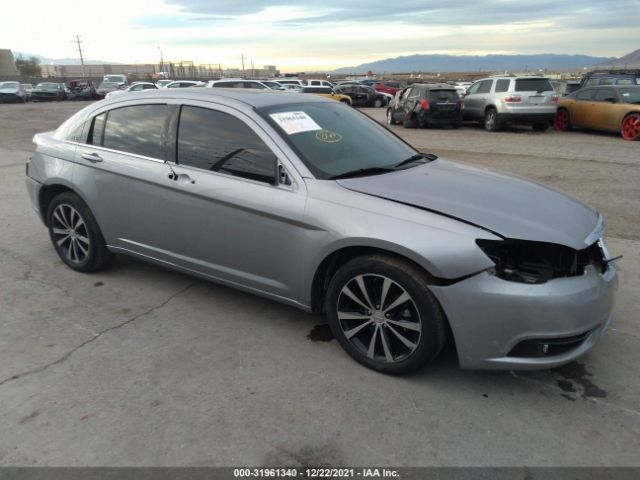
586	94
219	142
136	129
502	85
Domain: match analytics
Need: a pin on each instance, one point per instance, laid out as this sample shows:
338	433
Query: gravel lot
141	366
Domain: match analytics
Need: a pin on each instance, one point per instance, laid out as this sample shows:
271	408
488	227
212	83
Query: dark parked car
422	105
49	91
362	96
82	89
614	76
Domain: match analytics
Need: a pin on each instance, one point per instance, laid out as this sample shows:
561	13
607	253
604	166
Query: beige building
7	63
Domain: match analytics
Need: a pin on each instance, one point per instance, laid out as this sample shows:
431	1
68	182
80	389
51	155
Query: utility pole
253	72
242	57
78	42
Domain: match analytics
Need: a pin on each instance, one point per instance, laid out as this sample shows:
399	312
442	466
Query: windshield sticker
328	136
295	122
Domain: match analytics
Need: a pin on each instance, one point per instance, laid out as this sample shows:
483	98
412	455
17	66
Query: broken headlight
527	261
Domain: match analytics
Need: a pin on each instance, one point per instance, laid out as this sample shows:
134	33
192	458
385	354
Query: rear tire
377	103
491	120
75	234
379	329
562	120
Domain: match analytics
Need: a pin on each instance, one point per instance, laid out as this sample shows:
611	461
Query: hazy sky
306	35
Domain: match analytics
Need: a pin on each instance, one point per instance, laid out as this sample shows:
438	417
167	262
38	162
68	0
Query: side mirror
282	175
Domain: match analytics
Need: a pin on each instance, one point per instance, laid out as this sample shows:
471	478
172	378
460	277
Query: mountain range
469	63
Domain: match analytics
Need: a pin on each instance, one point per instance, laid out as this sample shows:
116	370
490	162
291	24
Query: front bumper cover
490	316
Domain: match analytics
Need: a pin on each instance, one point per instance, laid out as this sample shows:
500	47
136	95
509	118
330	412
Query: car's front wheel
631	127
390	119
383	314
75	234
562	121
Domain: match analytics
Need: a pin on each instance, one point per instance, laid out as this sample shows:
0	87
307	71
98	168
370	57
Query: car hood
507	205
8	90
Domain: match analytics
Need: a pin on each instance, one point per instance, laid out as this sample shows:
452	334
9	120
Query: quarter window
97	130
136	129
219	142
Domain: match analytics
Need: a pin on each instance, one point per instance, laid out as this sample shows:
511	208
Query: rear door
604	112
398	107
580	111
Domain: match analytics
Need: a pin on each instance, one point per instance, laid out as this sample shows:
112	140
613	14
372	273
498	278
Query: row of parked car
608	102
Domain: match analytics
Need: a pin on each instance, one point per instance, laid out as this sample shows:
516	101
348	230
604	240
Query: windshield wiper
415	158
362	172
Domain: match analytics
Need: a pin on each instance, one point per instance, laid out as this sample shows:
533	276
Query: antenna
79	42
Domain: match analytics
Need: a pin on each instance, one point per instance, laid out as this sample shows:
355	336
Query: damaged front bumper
500	324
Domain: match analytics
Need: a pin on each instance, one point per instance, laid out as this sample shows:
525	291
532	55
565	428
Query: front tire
390	119
630	129
75	234
381	311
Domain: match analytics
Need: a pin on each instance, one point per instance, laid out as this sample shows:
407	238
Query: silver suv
498	101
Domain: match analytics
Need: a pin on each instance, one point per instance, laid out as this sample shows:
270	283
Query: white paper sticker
295	122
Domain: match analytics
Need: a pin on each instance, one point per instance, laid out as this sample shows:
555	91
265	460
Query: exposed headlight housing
526	261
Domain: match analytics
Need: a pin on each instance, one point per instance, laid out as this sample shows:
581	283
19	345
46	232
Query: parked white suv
498	101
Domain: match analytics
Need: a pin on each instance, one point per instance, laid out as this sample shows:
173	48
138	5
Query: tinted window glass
625	81
586	94
219	142
605	94
97	129
336	139
630	95
254	85
533	85
136	129
502	85
443	96
473	88
485	86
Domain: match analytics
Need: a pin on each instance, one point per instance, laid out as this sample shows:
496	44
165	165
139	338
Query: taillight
512	99
424	104
554	98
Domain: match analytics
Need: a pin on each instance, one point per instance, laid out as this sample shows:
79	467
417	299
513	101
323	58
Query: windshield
9	85
48	86
114	78
630	95
533	85
332	139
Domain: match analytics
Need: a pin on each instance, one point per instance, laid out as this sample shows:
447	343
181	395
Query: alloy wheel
389	117
631	127
70	233
561	120
490	120
379	318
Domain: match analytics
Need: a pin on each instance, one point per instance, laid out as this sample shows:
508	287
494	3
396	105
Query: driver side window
219	142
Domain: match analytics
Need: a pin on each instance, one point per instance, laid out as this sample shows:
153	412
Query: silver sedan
311	203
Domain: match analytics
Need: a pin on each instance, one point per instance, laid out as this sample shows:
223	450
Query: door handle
92	157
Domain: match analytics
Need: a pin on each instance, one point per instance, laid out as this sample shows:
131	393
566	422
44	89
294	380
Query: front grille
547	347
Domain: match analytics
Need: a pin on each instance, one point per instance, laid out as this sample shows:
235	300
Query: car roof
248	97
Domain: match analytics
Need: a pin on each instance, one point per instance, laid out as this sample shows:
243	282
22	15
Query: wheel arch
51	190
329	265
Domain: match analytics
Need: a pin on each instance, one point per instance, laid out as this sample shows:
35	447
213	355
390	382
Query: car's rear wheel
383	314
75	234
631	127
491	120
390	119
562	121
377	103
